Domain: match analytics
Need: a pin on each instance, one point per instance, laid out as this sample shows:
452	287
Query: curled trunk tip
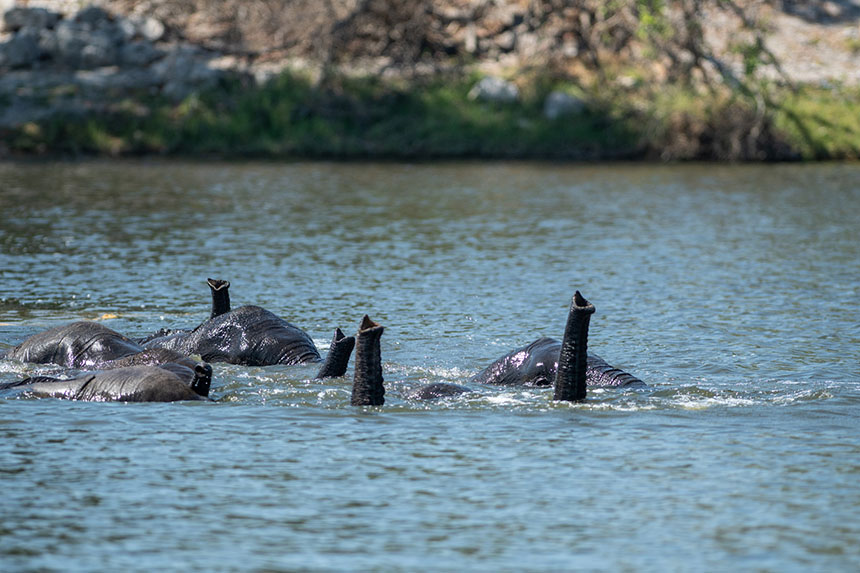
218	284
220	297
579	303
367	324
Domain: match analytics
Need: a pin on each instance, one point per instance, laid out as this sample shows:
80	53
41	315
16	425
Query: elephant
82	344
437	390
89	345
566	365
252	336
178	363
141	383
536	364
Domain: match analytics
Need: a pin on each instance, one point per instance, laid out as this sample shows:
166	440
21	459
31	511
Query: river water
731	290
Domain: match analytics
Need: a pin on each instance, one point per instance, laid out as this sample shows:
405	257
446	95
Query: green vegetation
290	117
821	123
346	118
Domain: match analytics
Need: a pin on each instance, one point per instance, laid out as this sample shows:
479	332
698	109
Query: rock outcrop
87	61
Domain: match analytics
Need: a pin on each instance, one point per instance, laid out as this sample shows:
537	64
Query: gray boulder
139	53
22	50
87	42
142	29
126	29
29	18
150	29
93	16
495	90
183	71
558	104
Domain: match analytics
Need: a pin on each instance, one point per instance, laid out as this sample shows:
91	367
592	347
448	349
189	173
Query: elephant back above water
144	383
171	360
81	344
252	336
536	364
248	335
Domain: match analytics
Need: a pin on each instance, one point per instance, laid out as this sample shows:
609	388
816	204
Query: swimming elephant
569	379
536	364
93	346
81	344
178	363
436	390
145	383
253	336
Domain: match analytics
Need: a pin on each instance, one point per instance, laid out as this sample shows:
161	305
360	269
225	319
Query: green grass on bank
350	118
365	118
821	124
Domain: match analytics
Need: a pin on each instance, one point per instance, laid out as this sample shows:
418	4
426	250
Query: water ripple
730	290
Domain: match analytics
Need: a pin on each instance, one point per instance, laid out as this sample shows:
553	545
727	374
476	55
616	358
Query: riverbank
133	78
290	117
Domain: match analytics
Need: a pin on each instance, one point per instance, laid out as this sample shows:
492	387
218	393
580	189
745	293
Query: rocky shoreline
88	61
56	61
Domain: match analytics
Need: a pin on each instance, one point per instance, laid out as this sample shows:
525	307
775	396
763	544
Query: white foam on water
613	407
705	403
804	396
505	400
453	373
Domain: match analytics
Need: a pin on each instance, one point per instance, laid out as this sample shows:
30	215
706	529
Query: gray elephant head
142	383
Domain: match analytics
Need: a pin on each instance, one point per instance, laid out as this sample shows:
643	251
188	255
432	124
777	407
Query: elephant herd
158	367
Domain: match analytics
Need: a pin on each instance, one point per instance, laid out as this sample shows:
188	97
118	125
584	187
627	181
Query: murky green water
732	291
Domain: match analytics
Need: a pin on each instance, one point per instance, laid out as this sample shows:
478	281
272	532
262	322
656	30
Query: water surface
732	291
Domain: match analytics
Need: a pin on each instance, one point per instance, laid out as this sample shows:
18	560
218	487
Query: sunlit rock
21	18
495	90
558	104
21	51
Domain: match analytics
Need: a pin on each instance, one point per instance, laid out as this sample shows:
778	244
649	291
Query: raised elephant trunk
337	359
570	379
367	388
220	297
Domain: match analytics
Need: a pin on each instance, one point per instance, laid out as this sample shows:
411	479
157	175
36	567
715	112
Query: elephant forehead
544	350
517	359
534	361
